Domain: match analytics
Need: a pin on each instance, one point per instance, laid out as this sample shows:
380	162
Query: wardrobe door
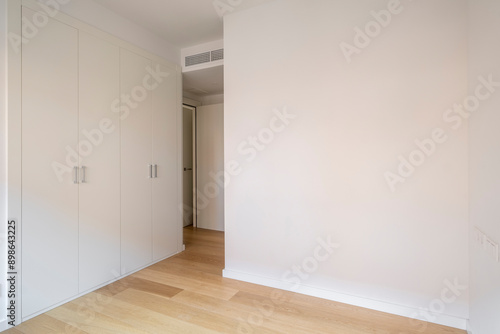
165	202
49	194
99	138
136	147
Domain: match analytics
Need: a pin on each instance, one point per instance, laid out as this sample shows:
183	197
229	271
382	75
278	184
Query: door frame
195	162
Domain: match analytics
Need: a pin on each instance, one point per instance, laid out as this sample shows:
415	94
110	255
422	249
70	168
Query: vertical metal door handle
75	175
84	176
156	171
150	171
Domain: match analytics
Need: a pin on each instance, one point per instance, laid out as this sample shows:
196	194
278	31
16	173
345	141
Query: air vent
205	57
200	58
217	55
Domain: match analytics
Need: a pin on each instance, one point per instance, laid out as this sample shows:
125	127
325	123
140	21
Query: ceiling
209	81
183	23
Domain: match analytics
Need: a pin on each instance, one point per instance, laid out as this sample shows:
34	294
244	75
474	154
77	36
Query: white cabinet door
99	140
136	147
49	196
166	224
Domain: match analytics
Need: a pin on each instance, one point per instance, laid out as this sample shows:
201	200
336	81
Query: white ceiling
183	23
209	81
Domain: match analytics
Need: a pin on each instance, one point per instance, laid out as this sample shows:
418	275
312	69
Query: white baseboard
469	327
3	325
377	305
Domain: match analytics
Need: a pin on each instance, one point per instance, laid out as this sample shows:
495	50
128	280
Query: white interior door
210	162
49	196
136	157
99	230
165	181
189	202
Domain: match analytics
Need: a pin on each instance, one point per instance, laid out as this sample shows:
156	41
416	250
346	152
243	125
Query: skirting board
404	311
3	325
469	327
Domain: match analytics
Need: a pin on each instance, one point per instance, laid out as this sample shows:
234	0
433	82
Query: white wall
485	167
110	22
3	151
324	174
210	166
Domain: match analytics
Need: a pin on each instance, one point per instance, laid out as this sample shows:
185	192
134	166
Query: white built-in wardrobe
100	161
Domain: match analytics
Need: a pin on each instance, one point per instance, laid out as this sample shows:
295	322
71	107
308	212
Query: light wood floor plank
187	313
249	318
88	319
45	324
180	262
186	294
140	317
13	331
191	284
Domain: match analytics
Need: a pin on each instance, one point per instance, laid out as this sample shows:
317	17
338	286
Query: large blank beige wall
324	173
485	166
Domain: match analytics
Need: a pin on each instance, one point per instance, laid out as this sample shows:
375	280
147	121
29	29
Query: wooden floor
187	294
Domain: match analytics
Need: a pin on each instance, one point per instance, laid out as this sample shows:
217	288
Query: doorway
189	165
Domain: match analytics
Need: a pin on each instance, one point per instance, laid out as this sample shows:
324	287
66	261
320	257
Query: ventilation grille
217	55
200	58
205	57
